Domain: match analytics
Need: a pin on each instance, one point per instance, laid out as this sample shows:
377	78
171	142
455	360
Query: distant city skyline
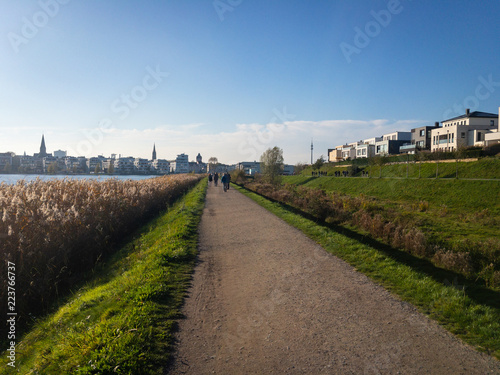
117	77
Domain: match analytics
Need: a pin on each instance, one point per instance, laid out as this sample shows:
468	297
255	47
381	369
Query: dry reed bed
473	259
55	230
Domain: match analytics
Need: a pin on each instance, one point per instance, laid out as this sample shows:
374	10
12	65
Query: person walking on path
210	179
216	178
225	181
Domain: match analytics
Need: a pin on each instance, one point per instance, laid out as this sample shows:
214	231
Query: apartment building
464	131
391	142
160	166
180	165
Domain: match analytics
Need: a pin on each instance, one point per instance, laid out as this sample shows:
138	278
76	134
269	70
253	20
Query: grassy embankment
471	312
123	320
484	168
446	210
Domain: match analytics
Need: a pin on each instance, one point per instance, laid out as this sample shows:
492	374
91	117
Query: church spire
43	149
154	151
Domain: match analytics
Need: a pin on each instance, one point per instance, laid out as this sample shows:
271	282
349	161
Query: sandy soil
265	299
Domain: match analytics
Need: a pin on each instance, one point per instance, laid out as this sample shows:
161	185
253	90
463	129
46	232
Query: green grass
456	209
123	321
484	168
472	313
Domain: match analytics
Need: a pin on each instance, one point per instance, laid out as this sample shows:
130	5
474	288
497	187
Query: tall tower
43	149
312	151
154	151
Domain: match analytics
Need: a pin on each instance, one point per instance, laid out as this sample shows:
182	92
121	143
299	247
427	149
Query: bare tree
272	164
213	163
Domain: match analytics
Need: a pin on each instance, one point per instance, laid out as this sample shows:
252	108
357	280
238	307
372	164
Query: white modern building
141	166
467	130
124	165
180	165
160	166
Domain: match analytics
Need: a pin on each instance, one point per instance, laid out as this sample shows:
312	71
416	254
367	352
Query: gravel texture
265	299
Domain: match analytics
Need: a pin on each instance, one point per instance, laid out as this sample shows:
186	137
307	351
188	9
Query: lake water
13	178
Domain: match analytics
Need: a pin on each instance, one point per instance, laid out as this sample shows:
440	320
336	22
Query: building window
462	135
478	139
452	137
492	122
422	132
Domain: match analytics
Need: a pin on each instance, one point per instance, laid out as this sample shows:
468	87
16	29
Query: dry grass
56	230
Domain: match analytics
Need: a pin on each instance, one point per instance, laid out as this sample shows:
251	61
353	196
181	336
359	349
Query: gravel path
265	299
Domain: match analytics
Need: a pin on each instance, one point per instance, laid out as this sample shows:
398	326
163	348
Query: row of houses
468	130
59	162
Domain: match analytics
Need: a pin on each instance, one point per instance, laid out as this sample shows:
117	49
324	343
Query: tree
213	163
97	169
52	168
272	164
111	168
318	164
299	167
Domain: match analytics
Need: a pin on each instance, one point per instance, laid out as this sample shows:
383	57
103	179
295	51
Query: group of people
225	179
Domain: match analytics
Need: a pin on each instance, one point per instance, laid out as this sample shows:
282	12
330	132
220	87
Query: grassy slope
457	209
434	291
483	168
122	322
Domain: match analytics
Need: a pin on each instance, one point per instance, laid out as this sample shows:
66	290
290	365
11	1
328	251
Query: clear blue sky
103	77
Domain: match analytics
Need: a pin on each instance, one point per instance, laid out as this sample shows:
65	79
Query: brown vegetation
471	258
54	231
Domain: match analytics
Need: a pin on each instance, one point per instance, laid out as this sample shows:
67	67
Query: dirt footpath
266	299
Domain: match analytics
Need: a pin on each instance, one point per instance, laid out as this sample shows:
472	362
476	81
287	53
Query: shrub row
473	259
53	231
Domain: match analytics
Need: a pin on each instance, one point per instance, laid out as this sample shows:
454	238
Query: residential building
493	137
60	154
388	147
141	166
335	154
180	165
397	136
124	165
160	166
464	131
365	150
420	139
6	161
95	162
348	151
288	170
249	167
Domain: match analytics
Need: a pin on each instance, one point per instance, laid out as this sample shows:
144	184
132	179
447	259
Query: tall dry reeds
55	230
